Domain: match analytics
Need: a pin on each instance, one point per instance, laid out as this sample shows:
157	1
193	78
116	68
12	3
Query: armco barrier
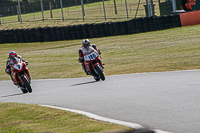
132	26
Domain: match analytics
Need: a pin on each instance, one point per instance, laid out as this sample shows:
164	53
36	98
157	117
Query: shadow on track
84	83
12	95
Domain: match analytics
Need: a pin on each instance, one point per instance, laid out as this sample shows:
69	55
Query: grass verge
24	118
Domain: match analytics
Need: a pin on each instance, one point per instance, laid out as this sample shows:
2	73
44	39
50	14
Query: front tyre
100	72
27	84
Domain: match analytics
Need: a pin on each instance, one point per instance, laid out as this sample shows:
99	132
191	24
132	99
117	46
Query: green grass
167	50
24	118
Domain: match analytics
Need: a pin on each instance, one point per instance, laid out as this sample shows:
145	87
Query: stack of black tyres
63	33
1	37
176	20
91	31
58	33
151	23
123	27
11	36
27	36
161	22
79	31
102	29
73	32
32	35
132	26
117	28
168	21
139	25
21	35
156	23
47	34
53	34
39	35
106	24
85	30
96	30
145	22
68	32
16	36
6	36
112	28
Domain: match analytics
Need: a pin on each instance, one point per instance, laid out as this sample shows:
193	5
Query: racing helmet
12	54
86	43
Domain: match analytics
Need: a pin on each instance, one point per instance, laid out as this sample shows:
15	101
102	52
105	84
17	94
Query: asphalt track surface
168	101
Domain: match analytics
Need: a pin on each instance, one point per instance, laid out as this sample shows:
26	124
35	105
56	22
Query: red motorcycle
20	74
94	66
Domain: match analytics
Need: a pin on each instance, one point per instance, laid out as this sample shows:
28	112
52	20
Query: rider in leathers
9	61
87	48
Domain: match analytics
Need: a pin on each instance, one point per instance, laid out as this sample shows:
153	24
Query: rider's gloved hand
26	63
98	51
7	71
80	60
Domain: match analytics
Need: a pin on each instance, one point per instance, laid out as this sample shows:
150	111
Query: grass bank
167	50
24	118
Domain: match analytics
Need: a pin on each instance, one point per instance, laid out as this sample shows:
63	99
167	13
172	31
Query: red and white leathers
84	51
9	61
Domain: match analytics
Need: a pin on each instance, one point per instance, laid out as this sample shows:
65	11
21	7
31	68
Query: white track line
104	119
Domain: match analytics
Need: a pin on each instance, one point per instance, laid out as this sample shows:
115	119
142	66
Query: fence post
50	8
42	10
115	6
126	9
104	10
19	11
61	9
82	9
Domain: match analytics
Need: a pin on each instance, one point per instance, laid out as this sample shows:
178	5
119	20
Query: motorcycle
94	66
20	75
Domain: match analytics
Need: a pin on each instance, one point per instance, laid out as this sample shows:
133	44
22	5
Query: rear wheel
27	84
100	72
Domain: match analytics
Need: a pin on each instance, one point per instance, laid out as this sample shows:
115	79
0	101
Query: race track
168	101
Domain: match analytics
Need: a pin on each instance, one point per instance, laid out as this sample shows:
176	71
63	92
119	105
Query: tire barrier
124	27
96	30
47	33
85	30
21	35
39	34
72	32
68	32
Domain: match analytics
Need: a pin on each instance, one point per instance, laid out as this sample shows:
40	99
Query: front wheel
27	84
100	72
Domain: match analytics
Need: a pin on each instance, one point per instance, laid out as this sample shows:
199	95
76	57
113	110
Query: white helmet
86	43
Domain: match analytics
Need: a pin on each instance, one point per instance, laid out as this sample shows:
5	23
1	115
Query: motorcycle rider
86	48
9	61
